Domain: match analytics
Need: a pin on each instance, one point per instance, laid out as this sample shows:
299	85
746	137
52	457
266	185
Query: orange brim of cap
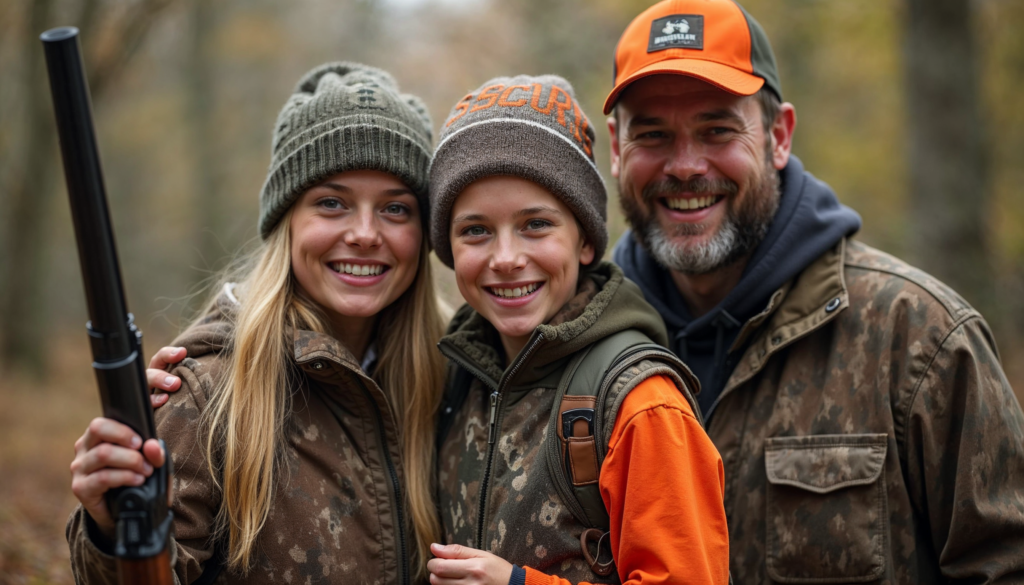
728	78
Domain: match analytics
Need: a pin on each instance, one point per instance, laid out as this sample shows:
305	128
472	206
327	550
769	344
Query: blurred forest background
909	109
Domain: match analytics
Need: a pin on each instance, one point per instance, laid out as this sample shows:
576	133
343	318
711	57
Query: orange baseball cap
713	40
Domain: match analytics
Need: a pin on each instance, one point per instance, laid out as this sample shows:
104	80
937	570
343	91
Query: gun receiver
141	515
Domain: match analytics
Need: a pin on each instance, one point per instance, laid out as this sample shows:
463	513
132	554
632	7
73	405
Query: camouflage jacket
335	516
869	434
499	495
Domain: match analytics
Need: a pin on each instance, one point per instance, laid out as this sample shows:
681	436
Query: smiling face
517	251
697	170
356	240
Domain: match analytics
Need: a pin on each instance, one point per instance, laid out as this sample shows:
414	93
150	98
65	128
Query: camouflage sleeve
91	558
964	455
195	503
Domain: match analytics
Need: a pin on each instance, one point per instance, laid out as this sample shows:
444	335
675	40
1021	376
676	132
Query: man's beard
744	226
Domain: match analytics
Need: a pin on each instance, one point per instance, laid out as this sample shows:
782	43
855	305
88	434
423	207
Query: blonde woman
302	434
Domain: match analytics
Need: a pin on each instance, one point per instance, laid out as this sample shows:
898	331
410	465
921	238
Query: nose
687	160
507	257
364	232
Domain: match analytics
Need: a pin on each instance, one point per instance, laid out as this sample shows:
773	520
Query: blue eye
537	224
396	209
329	203
474	231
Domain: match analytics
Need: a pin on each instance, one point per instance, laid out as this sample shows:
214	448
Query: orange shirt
663	484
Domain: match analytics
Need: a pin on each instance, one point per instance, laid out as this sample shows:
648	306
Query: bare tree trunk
949	172
22	316
206	156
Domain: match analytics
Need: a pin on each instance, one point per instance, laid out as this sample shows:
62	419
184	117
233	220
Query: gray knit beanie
529	127
345	117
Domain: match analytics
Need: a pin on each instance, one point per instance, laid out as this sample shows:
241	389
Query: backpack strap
577	440
455	394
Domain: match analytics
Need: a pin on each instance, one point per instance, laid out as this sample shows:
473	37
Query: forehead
505	194
668	95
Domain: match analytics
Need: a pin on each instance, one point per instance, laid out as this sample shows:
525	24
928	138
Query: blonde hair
247	417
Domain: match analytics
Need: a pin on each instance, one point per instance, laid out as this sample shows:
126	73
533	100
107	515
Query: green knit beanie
528	127
345	117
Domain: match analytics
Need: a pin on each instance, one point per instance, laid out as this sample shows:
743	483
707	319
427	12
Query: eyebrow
341	188
469	217
645	121
535	210
334	187
712	116
722	114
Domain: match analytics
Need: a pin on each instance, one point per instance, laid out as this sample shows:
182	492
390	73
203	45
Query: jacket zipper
396	487
494	423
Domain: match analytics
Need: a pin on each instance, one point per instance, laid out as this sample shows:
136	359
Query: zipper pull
493	417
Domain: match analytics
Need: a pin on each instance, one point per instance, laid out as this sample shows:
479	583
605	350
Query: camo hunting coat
869	434
335	516
499	495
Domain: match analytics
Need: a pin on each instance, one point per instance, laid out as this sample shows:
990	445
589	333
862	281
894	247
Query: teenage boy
518	211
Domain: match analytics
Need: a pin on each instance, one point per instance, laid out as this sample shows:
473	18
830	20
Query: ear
587	253
613	130
782	135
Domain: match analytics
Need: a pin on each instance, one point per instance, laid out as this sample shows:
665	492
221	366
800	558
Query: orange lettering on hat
503	100
580	128
490	97
562	106
587	142
462	107
576	122
535	102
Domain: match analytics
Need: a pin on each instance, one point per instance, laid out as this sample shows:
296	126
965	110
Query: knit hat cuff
522	149
331	152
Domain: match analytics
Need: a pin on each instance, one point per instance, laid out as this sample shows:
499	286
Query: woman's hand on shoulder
158	377
108	456
455	563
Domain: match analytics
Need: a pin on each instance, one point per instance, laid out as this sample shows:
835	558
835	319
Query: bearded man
867	429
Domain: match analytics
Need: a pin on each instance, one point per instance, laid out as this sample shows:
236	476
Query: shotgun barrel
141	515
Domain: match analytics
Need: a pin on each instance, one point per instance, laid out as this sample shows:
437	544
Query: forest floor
39	423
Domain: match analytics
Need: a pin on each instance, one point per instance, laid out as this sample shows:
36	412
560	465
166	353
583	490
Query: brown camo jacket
334	517
526	521
869	434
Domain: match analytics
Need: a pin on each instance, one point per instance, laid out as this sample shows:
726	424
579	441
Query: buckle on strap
592	534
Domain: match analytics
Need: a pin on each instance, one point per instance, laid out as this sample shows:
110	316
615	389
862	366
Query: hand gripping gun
142	518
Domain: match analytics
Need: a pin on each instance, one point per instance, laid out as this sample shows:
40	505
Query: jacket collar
310	346
809	301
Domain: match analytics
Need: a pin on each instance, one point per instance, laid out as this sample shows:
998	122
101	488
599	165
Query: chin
516	328
359	311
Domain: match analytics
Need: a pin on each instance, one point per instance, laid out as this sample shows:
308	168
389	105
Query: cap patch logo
678	31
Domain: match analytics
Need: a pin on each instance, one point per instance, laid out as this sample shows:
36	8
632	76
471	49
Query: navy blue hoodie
810	220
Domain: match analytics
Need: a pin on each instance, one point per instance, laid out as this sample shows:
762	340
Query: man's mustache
672	186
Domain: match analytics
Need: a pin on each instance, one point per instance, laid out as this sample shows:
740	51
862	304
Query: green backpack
578	422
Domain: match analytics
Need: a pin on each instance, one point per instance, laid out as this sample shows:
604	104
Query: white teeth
358	269
513	293
692	203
